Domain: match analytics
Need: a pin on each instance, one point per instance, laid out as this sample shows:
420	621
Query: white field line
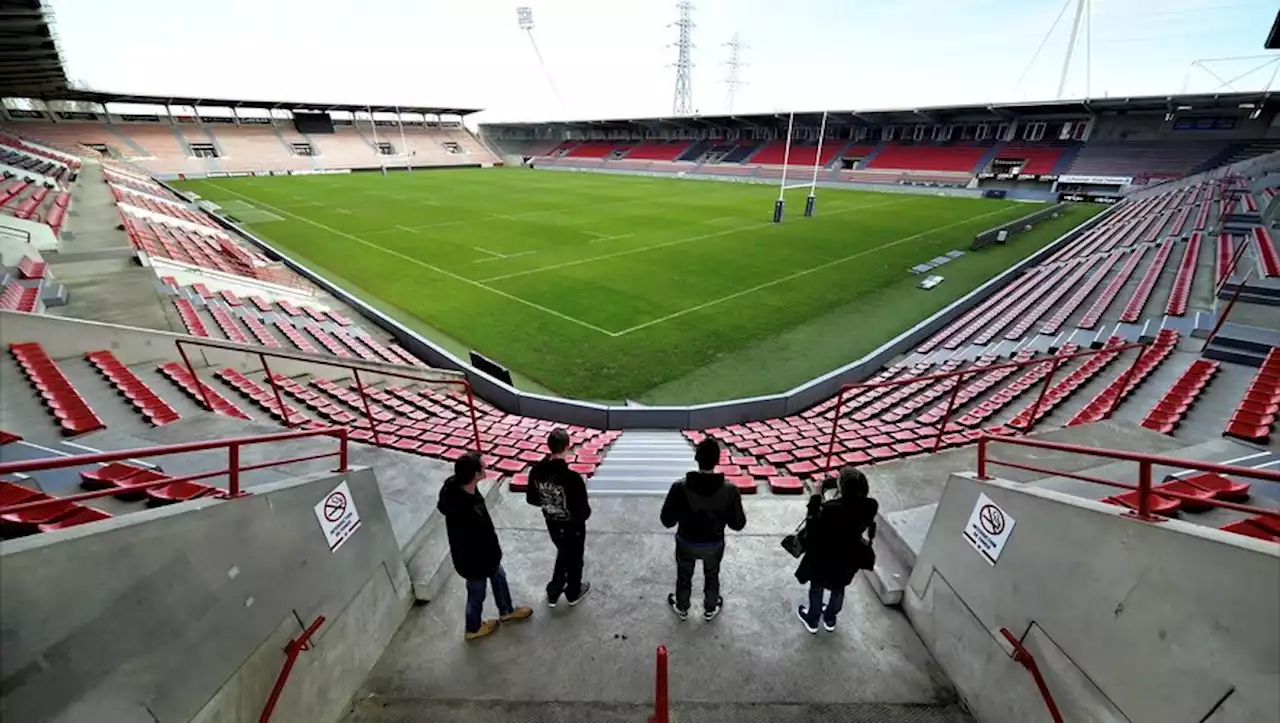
406	228
600	237
423	264
676	242
518	216
491	253
798	274
502	258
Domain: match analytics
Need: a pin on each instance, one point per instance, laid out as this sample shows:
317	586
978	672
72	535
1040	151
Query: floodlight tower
735	63
524	16
683	104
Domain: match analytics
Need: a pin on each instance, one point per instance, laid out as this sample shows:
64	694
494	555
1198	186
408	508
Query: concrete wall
571	411
1170	622
182	613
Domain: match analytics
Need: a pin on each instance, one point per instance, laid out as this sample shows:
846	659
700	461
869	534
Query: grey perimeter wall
1170	622
571	411
182	613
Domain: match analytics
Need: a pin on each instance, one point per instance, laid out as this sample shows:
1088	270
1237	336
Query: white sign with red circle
338	516
988	529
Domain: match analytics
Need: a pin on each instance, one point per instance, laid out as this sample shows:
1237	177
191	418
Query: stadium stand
928	157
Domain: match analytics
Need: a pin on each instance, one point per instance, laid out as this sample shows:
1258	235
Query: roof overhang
30	65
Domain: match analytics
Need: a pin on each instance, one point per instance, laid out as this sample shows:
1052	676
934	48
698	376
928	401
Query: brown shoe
524	612
488	627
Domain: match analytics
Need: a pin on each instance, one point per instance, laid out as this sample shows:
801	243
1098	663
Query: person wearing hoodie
473	545
562	495
700	506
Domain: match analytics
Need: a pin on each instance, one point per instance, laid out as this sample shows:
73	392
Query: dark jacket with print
559	491
473	543
701	505
833	542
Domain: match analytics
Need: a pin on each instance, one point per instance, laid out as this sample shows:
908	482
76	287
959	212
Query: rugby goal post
810	203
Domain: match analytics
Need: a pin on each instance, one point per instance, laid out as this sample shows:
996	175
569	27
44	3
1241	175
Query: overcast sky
612	58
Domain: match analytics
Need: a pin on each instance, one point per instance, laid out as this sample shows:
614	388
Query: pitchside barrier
701	416
990	236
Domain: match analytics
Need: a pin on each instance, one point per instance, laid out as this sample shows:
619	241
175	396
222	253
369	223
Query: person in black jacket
473	544
700	506
834	546
562	495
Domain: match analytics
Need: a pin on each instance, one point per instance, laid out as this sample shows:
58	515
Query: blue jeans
475	598
815	610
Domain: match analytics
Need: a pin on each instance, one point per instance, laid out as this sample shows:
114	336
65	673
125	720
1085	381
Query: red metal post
982	457
1022	657
475	424
1144	490
233	470
946	417
1124	383
835	426
291	652
342	450
1035	408
288	419
1227	311
373	423
204	394
661	699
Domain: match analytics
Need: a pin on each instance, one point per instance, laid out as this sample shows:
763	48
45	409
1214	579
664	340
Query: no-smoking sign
338	516
988	529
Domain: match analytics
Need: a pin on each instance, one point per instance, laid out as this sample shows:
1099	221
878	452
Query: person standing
700	506
835	548
474	547
562	495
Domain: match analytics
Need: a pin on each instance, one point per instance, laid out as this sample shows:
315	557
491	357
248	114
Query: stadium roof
93	96
940	114
30	65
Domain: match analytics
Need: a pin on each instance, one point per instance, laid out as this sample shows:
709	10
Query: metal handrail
291	651
352	365
1023	657
1145	463
1056	360
233	470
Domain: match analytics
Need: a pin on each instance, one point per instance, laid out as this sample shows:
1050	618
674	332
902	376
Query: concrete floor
602	652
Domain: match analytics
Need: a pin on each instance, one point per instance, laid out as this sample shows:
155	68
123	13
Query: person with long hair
834	545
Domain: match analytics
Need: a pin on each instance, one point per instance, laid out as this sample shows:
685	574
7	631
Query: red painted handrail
661	694
1145	463
291	652
233	470
1057	360
1024	658
262	355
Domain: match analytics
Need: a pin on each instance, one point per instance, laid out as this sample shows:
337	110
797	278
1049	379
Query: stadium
248	341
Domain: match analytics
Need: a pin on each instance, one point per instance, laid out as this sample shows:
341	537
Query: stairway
643	462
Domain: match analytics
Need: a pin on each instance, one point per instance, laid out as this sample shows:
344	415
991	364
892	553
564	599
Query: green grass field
626	287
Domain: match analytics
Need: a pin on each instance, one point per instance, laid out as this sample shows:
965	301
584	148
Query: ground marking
677	242
406	228
501	258
518	216
805	272
491	253
423	264
339	210
601	237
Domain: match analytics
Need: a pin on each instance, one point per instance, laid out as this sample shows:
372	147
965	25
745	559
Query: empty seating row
16	297
1118	390
1005	396
140	396
1256	413
199	391
1060	392
1133	310
73	413
190	317
1059	317
227	323
1194	494
48	518
1111	290
1266	251
160	207
1174	404
127	477
929	157
15	142
263	397
1180	294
